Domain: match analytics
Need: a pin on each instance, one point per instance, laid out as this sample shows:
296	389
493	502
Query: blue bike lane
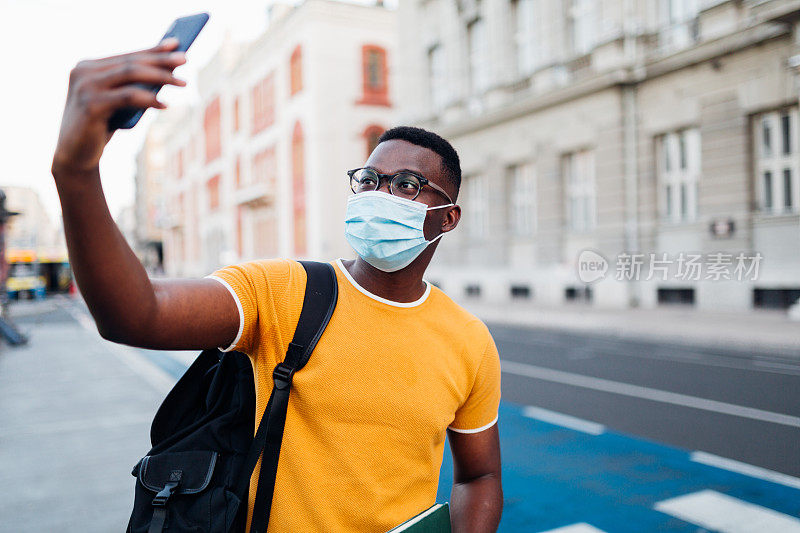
592	479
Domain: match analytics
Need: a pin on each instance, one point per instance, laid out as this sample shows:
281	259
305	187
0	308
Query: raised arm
126	305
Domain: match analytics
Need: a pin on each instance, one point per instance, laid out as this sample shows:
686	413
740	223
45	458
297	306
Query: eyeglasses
404	184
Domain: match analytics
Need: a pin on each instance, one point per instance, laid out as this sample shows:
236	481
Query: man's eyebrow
396	171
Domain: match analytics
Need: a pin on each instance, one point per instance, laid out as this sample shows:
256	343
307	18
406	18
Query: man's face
396	155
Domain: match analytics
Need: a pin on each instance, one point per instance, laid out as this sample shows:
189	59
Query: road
597	435
743	406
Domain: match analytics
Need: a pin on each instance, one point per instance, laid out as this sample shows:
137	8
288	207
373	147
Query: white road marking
746	469
646	393
575	528
719	512
567	421
155	376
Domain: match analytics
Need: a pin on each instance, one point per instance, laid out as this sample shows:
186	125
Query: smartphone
186	30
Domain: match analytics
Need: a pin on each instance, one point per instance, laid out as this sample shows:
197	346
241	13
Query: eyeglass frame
423	181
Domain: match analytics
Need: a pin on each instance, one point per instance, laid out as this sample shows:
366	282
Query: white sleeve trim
241	313
476	430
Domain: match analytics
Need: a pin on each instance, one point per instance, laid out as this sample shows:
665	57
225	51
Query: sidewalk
769	333
75	418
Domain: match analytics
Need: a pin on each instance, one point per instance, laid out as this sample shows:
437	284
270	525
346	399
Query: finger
137	73
167	45
109	101
159	59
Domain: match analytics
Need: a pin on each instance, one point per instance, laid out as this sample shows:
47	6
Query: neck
403	286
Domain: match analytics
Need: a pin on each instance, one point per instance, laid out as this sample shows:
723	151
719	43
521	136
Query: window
777	161
371	136
522	199
678	173
236	114
679	21
579	174
211	128
580	294
782	298
675	296
478	56
212	188
296	71
477	208
265	167
520	292
299	190
264	104
238	171
375	76
265	235
437	78
473	291
582	24
528	41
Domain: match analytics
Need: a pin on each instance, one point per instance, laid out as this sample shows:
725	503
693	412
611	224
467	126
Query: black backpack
196	477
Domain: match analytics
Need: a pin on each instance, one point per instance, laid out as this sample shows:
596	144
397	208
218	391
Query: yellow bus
25	279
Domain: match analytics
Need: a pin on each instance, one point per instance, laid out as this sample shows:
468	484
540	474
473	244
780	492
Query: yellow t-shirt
365	427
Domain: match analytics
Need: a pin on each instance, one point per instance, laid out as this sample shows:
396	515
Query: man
398	367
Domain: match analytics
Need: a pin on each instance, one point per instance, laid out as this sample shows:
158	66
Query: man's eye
367	181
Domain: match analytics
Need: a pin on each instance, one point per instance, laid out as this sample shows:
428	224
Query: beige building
150	210
615	152
257	170
32	229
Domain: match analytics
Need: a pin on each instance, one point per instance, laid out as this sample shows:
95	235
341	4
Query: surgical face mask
386	231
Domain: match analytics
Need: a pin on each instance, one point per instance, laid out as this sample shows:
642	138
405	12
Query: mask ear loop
442	233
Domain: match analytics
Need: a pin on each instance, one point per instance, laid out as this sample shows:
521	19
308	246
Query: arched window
296	71
299	190
375	76
371	135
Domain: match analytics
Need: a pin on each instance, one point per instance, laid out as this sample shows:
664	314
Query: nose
383	184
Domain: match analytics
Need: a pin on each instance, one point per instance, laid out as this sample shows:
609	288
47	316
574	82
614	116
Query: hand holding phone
186	30
100	88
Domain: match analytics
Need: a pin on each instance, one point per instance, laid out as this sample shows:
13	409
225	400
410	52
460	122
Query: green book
435	519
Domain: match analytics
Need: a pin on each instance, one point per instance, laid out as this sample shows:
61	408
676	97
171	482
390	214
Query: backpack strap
318	305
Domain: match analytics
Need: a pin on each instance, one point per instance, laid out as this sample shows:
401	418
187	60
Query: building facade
615	152
33	228
147	221
258	169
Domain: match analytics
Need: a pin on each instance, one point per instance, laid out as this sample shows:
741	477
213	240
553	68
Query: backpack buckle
282	376
160	499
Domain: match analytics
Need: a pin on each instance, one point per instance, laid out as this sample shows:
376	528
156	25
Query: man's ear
451	218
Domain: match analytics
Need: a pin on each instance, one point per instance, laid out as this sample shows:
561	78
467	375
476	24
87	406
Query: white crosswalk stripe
560	419
746	469
723	513
576	528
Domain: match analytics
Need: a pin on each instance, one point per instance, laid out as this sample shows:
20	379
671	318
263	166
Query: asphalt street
739	405
597	434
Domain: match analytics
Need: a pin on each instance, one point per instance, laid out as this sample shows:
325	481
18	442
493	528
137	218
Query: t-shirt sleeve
259	290
238	279
479	411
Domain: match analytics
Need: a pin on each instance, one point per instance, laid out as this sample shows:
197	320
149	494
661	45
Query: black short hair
428	139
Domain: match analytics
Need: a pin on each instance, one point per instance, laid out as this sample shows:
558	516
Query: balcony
257	194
